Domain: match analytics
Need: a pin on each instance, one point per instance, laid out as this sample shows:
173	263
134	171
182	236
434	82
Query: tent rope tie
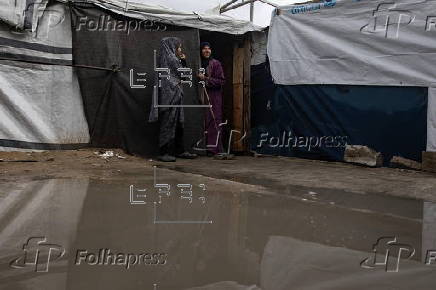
114	68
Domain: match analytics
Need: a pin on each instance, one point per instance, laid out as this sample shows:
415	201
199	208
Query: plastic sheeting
167	15
117	103
357	43
22	14
259	43
350	43
40	102
431	120
318	121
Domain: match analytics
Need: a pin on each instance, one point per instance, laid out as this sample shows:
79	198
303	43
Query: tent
349	72
66	83
40	102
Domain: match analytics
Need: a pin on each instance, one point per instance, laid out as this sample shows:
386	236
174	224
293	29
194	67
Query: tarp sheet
318	121
40	102
117	113
22	14
205	21
431	120
357	43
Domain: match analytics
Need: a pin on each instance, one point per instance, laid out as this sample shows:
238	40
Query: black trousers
175	146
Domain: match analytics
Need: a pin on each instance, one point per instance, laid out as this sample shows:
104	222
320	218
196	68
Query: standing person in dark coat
170	93
214	80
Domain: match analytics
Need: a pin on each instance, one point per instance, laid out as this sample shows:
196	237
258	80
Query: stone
363	155
400	162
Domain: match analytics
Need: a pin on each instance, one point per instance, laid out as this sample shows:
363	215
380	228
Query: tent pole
222	10
228	4
269	3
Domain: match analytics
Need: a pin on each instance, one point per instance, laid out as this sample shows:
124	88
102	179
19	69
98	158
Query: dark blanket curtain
117	114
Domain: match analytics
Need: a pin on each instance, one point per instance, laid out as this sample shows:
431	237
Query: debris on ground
120	156
257	155
224	156
363	155
108	154
105	154
404	163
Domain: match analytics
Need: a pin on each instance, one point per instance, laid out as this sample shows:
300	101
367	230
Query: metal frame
233	5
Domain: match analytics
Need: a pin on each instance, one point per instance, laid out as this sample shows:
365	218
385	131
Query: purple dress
214	87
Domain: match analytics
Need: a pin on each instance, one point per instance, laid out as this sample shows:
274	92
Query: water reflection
255	242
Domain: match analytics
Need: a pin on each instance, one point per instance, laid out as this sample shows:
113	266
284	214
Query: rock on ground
363	155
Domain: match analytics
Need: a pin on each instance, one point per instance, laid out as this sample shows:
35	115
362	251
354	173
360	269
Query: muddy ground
278	174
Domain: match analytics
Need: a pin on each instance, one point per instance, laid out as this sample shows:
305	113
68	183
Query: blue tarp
317	121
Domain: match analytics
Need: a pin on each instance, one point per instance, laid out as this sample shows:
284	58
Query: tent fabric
356	43
431	121
318	121
209	22
259	43
22	14
348	42
117	111
40	101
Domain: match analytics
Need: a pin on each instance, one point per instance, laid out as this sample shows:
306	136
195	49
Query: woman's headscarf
204	61
168	54
170	92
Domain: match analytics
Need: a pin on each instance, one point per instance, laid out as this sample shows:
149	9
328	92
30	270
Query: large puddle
182	231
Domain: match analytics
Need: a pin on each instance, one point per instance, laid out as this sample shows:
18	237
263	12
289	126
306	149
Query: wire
114	68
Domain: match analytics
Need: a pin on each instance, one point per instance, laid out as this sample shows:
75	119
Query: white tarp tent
142	10
22	13
40	102
357	43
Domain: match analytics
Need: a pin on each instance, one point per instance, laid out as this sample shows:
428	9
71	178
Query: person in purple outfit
214	80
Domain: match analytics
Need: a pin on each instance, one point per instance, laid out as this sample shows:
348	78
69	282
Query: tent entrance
234	53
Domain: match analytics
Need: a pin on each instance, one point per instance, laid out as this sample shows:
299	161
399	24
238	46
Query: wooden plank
247	91
429	161
238	95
